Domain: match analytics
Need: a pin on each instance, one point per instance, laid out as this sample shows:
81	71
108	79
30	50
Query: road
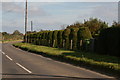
18	64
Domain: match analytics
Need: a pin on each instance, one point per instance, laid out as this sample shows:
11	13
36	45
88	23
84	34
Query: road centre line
2	52
24	68
17	63
9	57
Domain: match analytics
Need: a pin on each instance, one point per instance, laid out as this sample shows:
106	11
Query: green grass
6	41
103	62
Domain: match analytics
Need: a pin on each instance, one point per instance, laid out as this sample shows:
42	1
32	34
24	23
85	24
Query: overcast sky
51	15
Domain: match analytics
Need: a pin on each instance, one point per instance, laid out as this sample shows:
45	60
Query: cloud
47	26
19	8
11	25
49	16
11	7
34	10
107	12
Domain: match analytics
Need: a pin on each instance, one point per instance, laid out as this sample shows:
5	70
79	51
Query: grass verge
8	41
103	63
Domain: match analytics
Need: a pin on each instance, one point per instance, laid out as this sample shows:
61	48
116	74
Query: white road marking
3	52
9	57
24	68
16	63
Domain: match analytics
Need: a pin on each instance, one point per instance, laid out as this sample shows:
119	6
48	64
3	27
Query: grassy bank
7	41
109	64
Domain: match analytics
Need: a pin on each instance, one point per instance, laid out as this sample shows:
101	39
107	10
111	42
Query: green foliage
108	41
46	39
59	39
75	25
37	38
95	25
40	38
65	35
54	38
9	37
16	32
115	24
84	33
50	38
73	37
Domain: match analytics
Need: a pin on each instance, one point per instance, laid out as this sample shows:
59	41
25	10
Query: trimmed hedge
109	41
73	38
50	38
67	39
66	33
60	39
54	38
82	35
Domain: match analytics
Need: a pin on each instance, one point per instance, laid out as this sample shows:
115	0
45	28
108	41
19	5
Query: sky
53	15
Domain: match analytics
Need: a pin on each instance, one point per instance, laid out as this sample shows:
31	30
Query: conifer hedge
50	38
60	39
82	35
73	38
109	41
67	39
54	38
65	35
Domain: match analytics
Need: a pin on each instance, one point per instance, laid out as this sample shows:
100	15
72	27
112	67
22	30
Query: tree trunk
81	44
53	43
63	43
71	44
48	42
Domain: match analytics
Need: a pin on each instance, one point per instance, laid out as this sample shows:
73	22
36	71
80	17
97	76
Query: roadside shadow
93	56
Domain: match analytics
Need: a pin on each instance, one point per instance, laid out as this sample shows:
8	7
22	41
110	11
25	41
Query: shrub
37	38
109	41
65	35
50	38
28	38
83	34
47	38
40	39
73	38
59	39
32	37
54	38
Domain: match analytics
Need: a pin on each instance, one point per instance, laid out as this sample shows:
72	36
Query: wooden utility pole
31	26
26	21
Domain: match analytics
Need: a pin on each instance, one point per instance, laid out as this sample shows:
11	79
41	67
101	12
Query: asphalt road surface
22	65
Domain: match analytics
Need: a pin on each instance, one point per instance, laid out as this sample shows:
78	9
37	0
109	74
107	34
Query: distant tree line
16	35
94	25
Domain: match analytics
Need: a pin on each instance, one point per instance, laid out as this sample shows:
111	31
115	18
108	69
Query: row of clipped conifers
74	38
108	42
